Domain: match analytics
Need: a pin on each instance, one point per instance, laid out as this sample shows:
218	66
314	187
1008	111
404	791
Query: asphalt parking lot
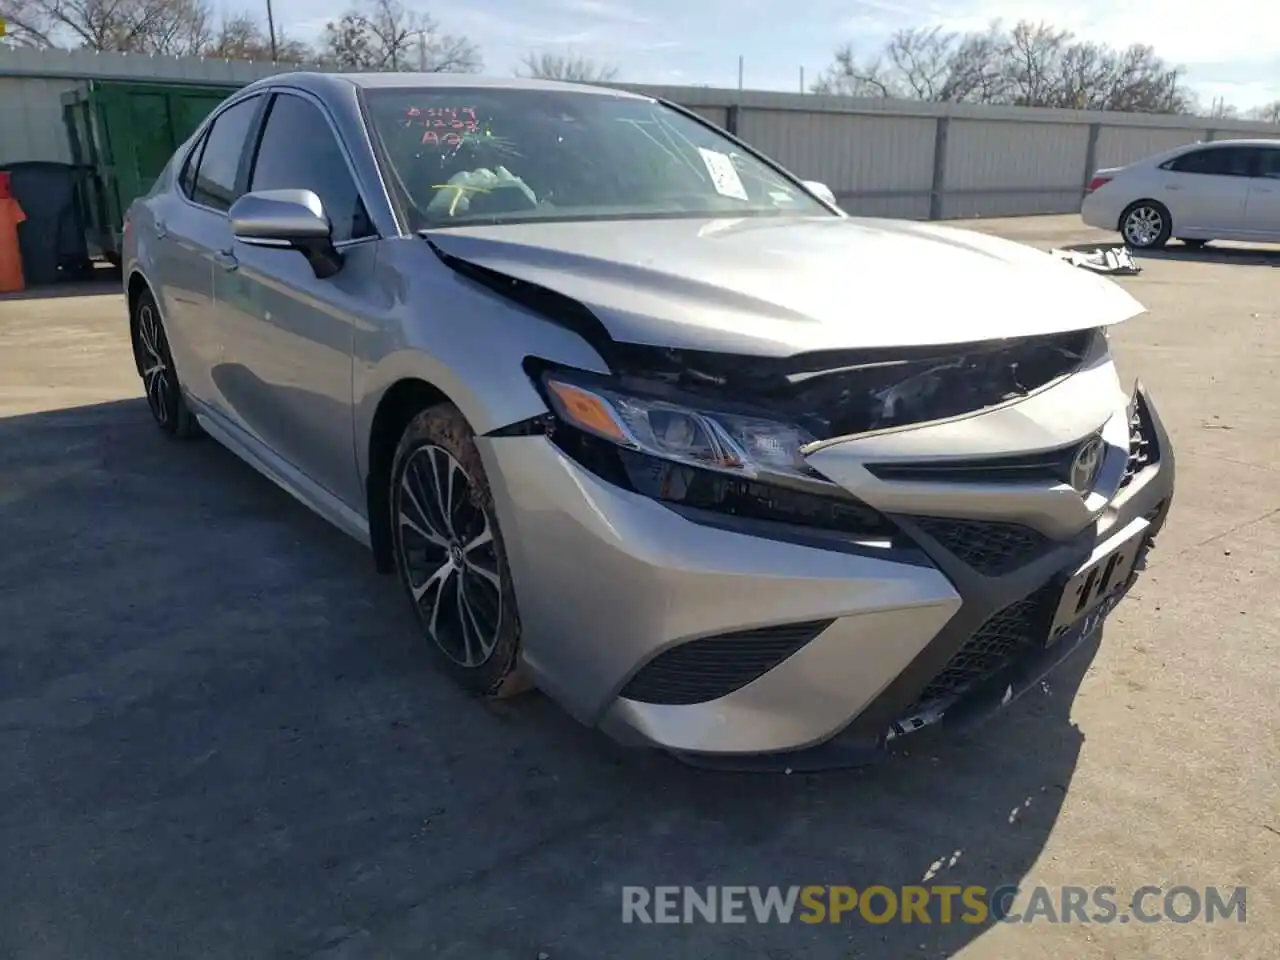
217	739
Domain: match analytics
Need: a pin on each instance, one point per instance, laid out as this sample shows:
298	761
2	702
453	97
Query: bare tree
348	42
1032	52
175	27
554	66
386	35
853	77
1267	113
921	59
1032	64
976	71
242	37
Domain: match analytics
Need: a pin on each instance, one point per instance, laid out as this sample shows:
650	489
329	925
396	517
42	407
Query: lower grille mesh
711	667
1004	636
989	547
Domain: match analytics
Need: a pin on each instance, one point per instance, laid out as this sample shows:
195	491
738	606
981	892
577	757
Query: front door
1262	212
1206	190
287	370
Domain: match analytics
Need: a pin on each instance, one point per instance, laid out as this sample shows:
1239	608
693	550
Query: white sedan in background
1224	190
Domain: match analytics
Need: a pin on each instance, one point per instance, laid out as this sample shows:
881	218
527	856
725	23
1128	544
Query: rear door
1206	189
1262	213
192	231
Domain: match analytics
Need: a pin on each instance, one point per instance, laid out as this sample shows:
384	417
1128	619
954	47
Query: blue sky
1231	48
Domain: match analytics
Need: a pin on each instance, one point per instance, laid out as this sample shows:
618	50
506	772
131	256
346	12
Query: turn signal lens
586	410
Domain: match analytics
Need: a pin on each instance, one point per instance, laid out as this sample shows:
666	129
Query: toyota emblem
1084	468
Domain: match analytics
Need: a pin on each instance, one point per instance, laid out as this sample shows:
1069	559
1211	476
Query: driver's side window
298	151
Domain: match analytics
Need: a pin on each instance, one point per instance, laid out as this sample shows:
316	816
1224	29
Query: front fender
465	340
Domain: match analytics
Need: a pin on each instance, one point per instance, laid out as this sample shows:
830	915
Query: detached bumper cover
828	658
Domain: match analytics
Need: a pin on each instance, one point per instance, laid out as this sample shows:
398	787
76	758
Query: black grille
712	667
1004	636
1049	465
990	547
1143	451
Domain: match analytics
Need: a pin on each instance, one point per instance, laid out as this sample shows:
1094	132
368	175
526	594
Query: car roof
321	83
1255	142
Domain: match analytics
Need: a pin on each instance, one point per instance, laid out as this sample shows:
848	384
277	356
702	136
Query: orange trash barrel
10	255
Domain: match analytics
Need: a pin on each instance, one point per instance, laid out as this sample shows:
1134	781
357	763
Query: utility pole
271	29
802	79
739	72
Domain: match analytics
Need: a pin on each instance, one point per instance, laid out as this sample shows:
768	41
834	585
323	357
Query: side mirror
821	191
288	220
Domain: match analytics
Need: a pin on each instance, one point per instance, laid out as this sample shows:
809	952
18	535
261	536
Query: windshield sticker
724	176
781	196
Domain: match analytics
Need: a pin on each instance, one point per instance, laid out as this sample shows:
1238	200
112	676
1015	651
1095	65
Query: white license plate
1107	570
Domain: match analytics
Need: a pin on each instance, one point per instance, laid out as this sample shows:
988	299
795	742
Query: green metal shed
121	135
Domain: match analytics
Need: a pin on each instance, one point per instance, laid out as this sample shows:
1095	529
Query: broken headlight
732	443
714	466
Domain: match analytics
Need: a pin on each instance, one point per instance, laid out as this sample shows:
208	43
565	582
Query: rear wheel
159	376
1146	225
450	553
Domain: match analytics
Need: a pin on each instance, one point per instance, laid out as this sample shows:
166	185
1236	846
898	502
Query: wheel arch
136	286
399	404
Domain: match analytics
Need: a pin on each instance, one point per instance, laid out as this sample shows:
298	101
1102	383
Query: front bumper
724	646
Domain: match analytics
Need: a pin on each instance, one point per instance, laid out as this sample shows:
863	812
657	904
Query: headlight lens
728	442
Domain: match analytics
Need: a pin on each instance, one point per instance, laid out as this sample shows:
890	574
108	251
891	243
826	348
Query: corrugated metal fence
881	157
901	158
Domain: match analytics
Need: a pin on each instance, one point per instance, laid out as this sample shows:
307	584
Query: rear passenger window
215	184
299	151
1222	161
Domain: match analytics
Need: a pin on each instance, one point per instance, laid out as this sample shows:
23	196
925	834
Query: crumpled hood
779	286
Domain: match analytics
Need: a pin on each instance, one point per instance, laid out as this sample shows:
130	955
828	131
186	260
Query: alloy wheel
449	557
1143	225
155	368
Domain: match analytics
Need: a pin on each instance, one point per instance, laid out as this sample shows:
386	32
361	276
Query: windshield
460	156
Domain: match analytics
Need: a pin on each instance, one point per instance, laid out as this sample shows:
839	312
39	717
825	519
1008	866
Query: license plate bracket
1096	581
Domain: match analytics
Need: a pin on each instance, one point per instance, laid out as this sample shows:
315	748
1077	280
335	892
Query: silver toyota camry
639	418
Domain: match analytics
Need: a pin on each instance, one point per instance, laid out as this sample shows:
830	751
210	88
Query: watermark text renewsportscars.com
937	904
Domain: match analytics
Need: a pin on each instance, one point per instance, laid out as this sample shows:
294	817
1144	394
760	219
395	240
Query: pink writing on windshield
442	125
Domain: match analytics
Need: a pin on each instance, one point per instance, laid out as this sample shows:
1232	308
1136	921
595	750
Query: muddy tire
450	555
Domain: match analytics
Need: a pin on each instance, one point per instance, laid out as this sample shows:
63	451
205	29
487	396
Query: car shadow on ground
1212	253
219	739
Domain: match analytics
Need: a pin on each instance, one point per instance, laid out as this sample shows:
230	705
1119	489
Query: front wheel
154	360
450	553
1146	225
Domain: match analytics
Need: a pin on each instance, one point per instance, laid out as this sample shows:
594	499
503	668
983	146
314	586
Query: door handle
162	230
226	259
1262	190
1173	187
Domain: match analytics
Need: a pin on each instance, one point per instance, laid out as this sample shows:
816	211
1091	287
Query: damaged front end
725	440
837	394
